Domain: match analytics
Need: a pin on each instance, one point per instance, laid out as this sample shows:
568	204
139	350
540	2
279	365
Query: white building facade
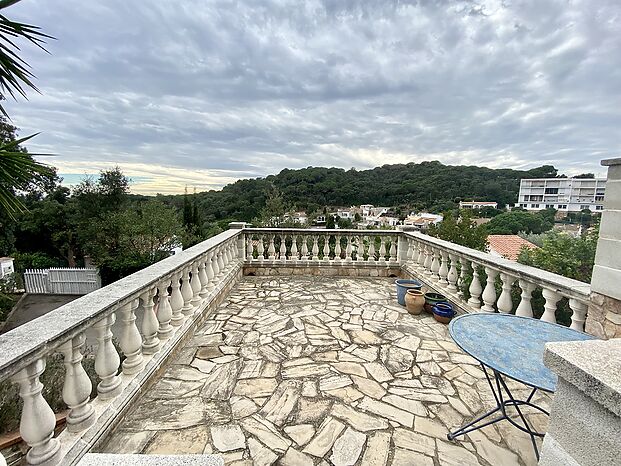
563	194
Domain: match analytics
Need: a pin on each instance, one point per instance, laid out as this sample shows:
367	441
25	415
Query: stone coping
104	459
567	286
39	337
592	366
611	162
324	231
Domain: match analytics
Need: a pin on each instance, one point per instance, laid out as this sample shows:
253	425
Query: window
599	197
551	191
562	206
549	206
584	207
534	206
599	207
523	205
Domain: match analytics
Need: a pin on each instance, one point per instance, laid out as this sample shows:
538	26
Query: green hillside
426	185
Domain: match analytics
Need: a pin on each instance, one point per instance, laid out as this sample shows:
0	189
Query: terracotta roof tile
508	246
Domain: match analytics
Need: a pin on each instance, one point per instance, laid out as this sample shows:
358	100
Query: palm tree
17	167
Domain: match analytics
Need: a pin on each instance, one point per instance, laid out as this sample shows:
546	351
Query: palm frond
15	74
17	169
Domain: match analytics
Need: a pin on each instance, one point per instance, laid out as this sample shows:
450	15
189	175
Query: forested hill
426	185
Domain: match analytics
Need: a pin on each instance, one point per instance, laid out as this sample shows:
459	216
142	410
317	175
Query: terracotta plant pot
443	312
414	301
431	299
403	285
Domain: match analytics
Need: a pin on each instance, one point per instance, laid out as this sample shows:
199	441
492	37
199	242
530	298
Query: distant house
422	220
6	267
507	246
477	204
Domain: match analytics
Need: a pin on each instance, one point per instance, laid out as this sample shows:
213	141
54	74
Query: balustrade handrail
323	231
35	339
567	286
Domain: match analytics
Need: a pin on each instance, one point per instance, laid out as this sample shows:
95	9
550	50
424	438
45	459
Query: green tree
273	213
463	231
330	224
511	223
565	255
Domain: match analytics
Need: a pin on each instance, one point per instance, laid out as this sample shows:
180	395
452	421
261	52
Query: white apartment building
564	194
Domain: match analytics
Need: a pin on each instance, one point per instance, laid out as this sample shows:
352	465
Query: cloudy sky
201	93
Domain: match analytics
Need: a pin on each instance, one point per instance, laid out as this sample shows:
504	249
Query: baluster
451	277
348	248
186	293
578	315
228	254
371	252
443	270
326	248
428	260
202	275
77	387
475	288
107	359
421	256
315	249
150	341
304	250
382	249
260	249
215	266
210	272
435	264
271	250
357	246
250	249
294	248
37	421
130	340
220	262
164	312
505	303
196	286
489	293
463	267
337	248
393	250
525	308
409	254
176	301
551	297
282	252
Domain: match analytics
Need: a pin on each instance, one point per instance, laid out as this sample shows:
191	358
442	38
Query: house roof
508	246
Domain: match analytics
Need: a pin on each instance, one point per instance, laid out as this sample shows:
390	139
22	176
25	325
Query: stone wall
604	317
320	269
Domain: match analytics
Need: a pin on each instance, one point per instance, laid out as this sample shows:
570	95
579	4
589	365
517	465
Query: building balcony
282	345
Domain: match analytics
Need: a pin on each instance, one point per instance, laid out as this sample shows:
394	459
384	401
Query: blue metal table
510	347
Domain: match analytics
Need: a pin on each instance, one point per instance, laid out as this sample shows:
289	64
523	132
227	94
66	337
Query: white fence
62	281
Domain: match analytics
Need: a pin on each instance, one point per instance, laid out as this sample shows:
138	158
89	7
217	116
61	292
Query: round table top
512	345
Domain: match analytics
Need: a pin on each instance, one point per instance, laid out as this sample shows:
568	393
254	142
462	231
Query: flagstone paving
320	371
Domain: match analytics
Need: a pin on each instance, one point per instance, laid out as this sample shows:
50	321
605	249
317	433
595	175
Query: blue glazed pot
443	312
403	285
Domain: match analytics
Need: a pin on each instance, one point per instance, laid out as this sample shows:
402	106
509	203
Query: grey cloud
254	87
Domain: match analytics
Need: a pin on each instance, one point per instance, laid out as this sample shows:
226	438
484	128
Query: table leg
499	388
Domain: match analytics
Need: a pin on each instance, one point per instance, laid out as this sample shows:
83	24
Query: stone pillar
585	421
604	314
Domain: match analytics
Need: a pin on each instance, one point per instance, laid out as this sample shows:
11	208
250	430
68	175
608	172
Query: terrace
266	345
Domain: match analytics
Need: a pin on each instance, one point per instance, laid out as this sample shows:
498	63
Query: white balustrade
186	292
578	315
196	285
525	308
315	250
130	340
164	312
475	288
551	297
489	293
176	301
150	341
38	420
107	360
326	248
271	250
294	248
220	261
452	276
435	265
210	272
443	270
77	387
505	303
202	275
282	253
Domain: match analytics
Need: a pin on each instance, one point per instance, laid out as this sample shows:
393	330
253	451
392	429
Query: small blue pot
403	285
443	312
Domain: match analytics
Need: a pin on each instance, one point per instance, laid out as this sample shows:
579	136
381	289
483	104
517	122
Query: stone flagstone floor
318	371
